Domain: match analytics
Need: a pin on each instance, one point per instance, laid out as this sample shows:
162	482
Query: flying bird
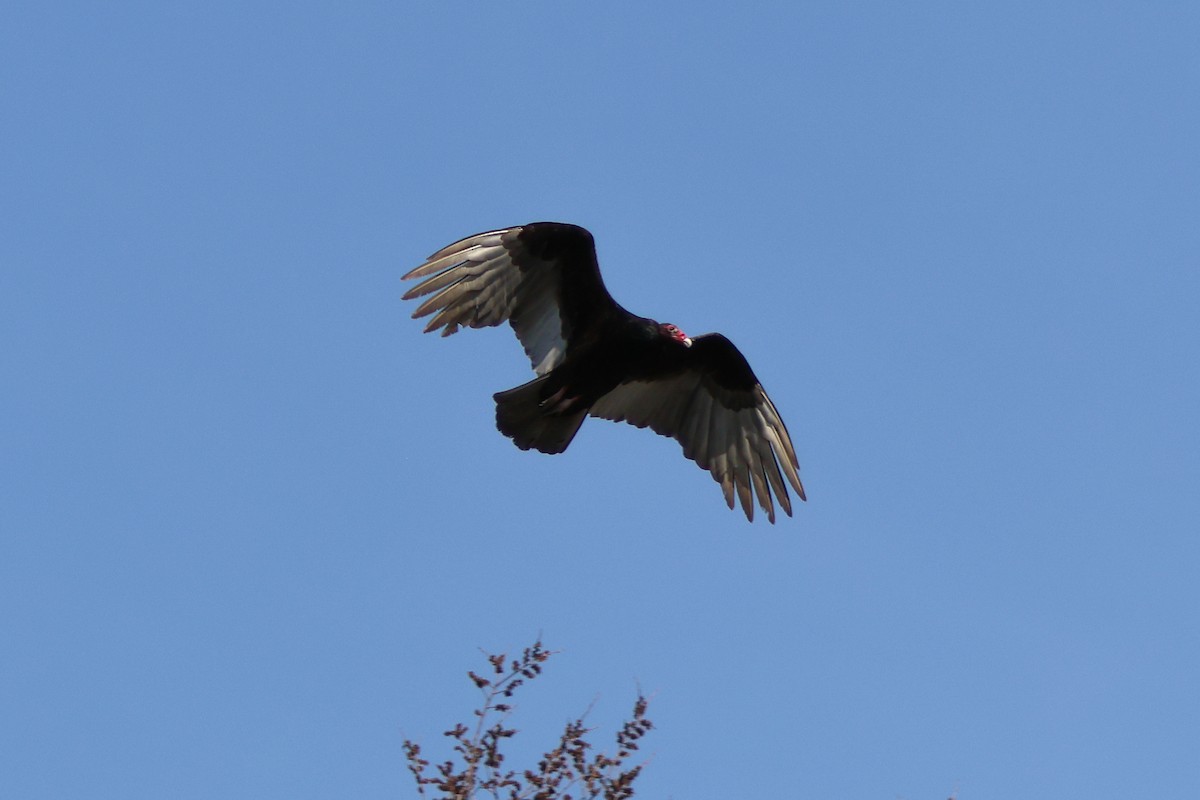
594	358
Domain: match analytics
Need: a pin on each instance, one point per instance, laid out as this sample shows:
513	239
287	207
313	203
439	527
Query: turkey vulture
594	357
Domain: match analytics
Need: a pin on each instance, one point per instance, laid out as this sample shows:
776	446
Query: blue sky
255	525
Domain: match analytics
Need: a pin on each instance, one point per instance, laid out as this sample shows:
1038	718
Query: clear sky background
255	525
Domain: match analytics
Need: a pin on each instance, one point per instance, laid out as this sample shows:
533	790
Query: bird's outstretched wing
714	406
542	278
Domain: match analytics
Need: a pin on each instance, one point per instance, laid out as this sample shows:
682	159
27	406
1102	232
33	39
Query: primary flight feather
593	357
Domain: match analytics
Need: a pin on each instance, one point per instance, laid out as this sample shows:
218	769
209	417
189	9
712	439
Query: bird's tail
533	416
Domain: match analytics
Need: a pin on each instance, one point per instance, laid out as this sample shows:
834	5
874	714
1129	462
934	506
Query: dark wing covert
542	278
717	410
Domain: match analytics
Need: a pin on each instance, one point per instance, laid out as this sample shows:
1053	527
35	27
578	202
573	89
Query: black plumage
593	357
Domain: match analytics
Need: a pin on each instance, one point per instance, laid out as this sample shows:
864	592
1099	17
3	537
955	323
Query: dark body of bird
595	358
